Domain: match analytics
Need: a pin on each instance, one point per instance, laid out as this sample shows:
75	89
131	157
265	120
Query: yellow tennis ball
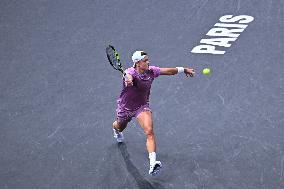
206	71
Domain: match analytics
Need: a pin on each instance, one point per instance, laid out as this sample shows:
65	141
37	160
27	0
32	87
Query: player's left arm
172	71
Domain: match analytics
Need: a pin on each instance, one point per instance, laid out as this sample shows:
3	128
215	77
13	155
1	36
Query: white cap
137	56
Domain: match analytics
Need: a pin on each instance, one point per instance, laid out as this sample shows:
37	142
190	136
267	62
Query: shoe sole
156	170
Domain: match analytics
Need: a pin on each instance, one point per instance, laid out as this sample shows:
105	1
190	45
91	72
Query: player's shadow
140	180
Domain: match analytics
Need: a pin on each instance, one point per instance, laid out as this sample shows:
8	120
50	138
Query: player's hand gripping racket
114	60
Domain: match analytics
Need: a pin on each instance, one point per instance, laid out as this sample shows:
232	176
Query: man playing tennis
134	101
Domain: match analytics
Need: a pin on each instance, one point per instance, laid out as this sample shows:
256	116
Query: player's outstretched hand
189	72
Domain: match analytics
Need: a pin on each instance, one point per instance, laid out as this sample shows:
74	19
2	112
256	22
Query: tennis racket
114	60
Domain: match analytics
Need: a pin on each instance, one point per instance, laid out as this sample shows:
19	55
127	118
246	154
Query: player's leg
145	120
118	127
122	119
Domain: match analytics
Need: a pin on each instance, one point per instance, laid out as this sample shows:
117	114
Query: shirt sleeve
156	70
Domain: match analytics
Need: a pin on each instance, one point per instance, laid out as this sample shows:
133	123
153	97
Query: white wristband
180	69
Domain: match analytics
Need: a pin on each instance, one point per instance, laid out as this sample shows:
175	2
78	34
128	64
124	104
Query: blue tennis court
58	94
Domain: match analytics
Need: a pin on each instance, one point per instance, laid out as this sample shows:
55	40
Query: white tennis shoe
118	135
155	168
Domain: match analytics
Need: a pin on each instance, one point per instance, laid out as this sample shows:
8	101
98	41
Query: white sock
152	157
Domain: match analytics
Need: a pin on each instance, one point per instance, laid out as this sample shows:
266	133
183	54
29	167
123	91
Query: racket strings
114	58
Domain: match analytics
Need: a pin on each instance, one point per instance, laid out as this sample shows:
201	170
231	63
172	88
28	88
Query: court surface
58	95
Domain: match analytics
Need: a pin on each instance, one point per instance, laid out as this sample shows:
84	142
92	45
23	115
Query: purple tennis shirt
133	97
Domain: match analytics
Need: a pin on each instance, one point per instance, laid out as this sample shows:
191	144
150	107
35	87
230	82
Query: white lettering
243	19
209	49
243	26
222	42
223	33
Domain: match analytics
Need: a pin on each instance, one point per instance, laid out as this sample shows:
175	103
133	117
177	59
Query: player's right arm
173	71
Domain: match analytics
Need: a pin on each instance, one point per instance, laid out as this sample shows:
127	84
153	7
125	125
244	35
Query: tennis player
134	101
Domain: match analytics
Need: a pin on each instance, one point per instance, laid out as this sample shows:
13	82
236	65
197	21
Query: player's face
144	63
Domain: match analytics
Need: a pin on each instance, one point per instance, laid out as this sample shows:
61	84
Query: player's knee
117	126
114	125
149	133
